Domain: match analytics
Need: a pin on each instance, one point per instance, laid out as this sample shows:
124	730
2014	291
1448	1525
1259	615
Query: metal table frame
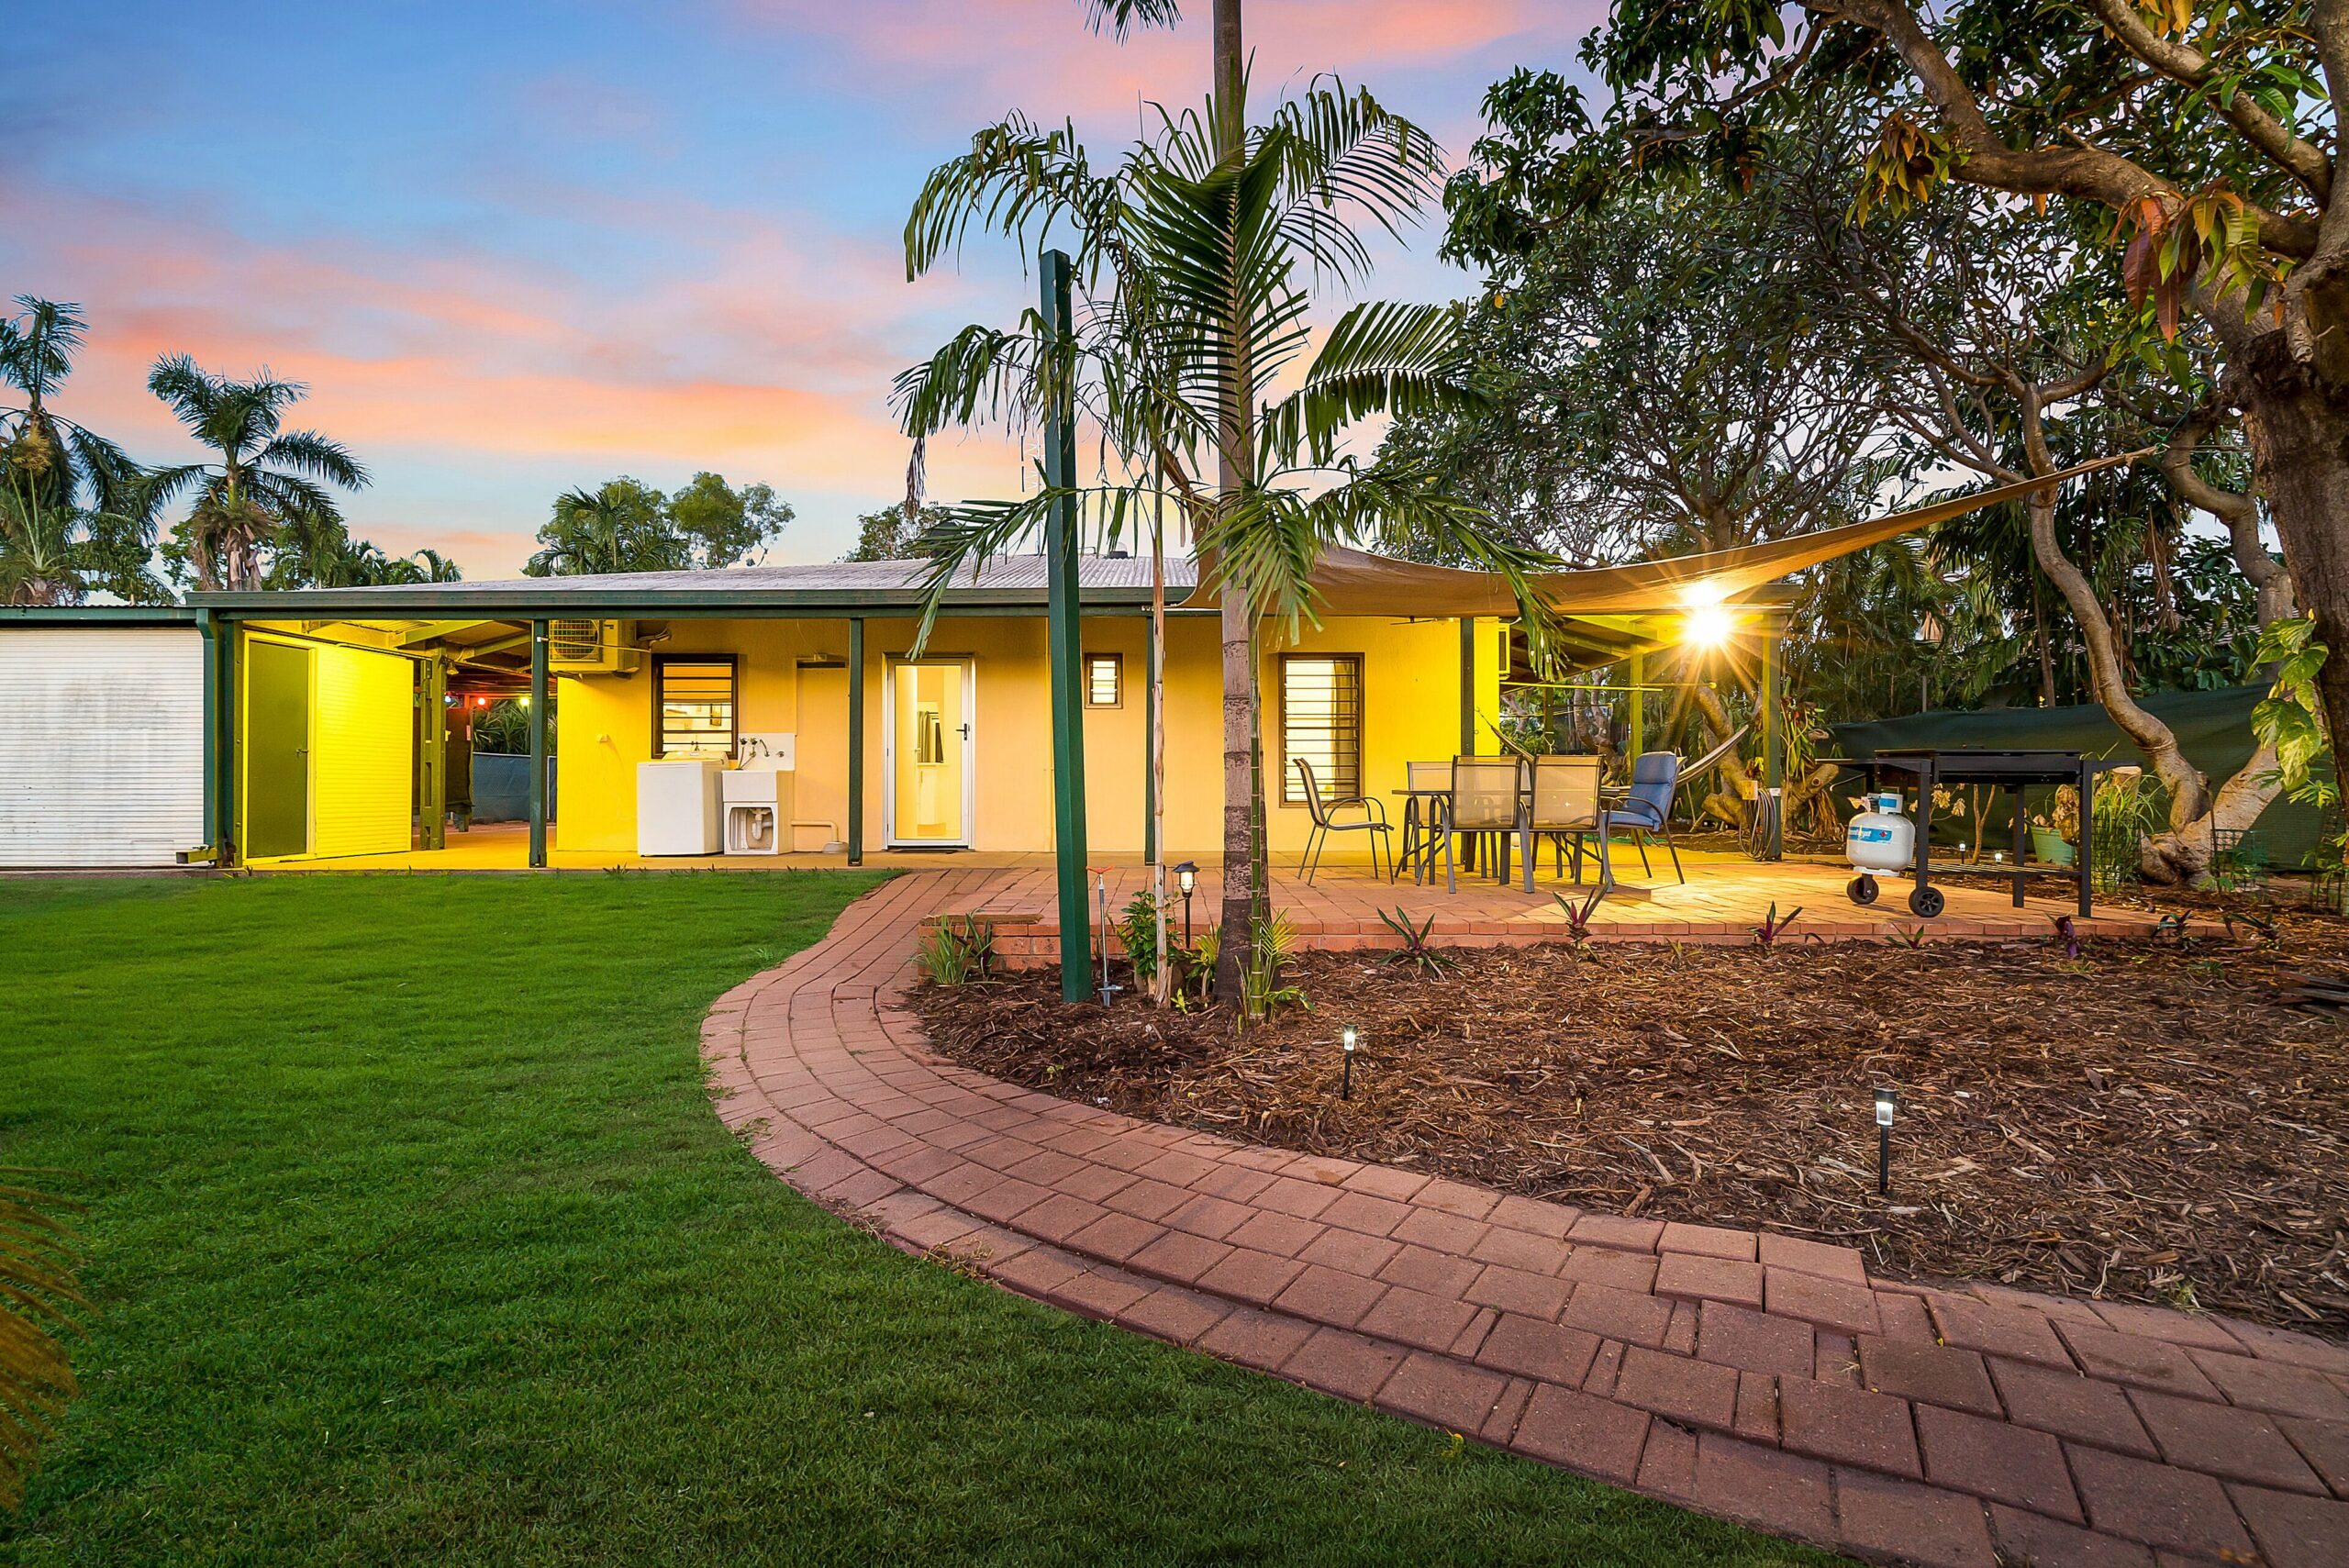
2013	770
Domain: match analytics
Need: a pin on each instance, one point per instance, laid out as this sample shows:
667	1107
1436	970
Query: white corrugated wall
100	745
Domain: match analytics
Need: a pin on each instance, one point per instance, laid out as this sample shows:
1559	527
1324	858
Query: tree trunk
1162	979
2299	444
1234	446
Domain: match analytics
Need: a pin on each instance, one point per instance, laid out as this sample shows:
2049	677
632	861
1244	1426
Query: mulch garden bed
2144	1122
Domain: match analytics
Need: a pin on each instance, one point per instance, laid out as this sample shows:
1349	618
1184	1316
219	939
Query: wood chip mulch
2144	1122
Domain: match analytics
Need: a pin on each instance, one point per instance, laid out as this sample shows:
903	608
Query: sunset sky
515	247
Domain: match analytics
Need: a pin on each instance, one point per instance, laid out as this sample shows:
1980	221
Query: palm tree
266	476
1193	267
73	507
588	534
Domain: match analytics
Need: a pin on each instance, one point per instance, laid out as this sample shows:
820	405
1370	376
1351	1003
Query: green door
277	749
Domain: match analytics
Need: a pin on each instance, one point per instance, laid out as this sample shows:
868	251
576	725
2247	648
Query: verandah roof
1354	582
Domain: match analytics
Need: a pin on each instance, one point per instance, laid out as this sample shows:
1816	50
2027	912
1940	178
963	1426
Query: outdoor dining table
1423	870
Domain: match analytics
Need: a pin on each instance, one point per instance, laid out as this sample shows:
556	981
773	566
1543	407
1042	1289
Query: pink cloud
986	56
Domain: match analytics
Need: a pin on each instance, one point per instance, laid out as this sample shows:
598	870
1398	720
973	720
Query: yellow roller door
363	752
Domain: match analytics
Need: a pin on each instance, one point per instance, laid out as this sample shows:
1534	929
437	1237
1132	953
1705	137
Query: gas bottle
1881	838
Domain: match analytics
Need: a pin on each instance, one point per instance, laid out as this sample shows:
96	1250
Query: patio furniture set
1476	809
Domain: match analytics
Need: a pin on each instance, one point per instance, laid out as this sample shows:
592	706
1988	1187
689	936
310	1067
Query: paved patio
1764	1378
1725	896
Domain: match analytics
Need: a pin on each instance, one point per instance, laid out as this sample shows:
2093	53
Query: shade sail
1353	582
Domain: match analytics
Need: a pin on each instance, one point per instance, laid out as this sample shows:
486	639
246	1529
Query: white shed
101	738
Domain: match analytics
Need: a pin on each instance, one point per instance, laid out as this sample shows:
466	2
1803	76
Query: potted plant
2054	829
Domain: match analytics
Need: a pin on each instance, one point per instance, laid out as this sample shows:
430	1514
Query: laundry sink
749	786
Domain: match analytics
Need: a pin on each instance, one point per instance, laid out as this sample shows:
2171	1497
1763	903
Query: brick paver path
1760	1377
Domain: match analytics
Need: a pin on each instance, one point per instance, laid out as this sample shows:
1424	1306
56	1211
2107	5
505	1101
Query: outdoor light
1346	1084
1706	626
1885	1101
1187	877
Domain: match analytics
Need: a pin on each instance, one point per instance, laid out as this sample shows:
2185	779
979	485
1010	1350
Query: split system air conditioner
591	646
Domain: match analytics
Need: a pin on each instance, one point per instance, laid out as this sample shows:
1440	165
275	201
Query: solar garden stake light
1885	1100
1187	877
1346	1084
1101	883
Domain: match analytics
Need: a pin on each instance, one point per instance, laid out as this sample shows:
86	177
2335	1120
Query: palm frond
1400	360
1121	18
307	451
37	1299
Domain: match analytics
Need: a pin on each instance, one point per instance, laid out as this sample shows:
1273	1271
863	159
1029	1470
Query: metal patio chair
1374	823
1484	800
1566	805
1423	816
1645	810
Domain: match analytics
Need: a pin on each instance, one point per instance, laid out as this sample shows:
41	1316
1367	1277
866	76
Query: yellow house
771	709
814	668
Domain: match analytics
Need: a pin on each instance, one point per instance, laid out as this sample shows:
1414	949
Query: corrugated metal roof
1003	573
836	585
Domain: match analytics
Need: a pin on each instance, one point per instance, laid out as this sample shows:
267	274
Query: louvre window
1322	722
1105	680
695	703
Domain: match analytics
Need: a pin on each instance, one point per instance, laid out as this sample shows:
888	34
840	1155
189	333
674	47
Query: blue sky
516	247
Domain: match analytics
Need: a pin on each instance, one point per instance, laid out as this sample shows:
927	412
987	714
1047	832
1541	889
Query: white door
100	745
926	754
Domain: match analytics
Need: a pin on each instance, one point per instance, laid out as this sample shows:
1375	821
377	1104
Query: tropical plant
1415	950
75	513
1578	926
1192	269
956	950
625	525
37	1300
1270	948
266	478
1774	925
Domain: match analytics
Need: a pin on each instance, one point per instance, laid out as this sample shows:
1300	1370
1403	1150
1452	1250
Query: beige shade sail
1355	582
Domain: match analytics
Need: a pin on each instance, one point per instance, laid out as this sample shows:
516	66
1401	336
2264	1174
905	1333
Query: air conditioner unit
591	646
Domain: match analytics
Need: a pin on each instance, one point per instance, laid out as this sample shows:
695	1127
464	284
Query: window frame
661	663
1334	786
1117	662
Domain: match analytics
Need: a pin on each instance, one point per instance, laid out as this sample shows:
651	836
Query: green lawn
414	1240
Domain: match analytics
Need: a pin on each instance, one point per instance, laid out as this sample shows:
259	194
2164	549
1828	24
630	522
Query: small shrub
1138	931
2068	933
1774	925
1912	938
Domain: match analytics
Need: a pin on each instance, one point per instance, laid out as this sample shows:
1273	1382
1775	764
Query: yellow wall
361	750
604	723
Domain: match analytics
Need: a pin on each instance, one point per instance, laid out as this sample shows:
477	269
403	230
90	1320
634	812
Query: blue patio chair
1374	823
1646	807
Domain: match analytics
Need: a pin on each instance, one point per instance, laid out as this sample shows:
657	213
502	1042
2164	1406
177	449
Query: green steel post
1062	643
432	741
537	743
1467	685
1773	743
856	740
1639	704
206	628
1149	729
220	754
